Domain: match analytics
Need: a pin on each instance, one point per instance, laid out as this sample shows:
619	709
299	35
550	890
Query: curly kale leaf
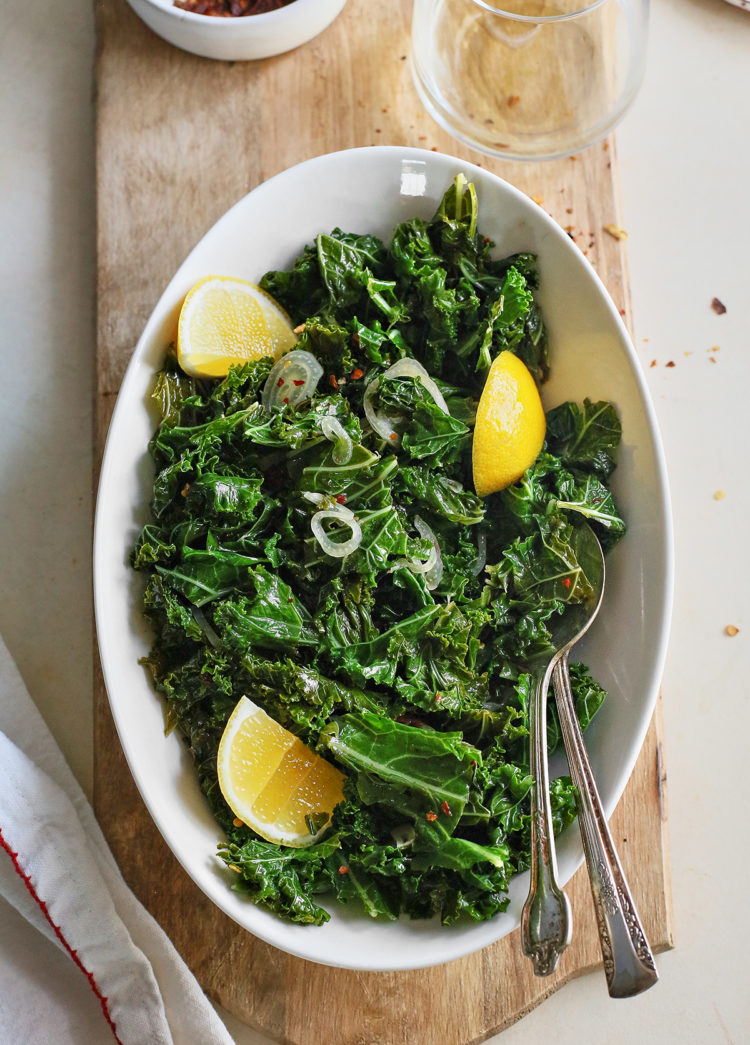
435	492
279	878
585	436
271	618
418	771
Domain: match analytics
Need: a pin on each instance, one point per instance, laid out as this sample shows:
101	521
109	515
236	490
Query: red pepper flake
566	582
438	697
343	869
341	498
280	382
652	363
718	306
431	816
670	363
445	809
356	374
334	383
393	436
286	400
514	99
298	381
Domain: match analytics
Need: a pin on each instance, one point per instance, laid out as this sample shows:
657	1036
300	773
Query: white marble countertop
684	154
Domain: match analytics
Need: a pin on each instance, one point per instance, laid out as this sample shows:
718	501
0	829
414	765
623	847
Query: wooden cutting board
180	139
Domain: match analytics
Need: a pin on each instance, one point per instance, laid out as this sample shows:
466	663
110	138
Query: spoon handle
628	962
545	922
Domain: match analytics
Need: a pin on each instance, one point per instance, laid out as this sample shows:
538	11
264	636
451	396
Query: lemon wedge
272	781
226	321
510	425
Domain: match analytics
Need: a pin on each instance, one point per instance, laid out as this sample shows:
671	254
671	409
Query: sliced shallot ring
380	423
333	429
292	379
434	575
408	367
415	565
481	560
336	549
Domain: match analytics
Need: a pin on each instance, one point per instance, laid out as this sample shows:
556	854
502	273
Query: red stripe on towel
58	933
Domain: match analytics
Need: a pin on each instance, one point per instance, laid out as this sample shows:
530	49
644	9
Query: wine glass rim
502	12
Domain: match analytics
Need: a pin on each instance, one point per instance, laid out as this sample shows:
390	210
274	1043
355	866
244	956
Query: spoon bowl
572	625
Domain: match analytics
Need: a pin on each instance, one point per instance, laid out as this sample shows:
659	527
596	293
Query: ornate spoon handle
545	922
628	961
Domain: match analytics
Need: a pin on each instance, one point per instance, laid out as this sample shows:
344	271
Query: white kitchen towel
58	874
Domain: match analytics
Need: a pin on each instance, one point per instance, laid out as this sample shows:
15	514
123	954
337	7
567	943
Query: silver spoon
628	962
546	916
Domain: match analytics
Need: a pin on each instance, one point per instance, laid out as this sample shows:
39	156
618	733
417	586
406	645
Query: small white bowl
237	39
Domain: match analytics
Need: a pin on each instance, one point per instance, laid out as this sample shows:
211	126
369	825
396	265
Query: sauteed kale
412	680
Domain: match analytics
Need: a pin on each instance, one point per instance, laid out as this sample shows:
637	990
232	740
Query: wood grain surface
180	139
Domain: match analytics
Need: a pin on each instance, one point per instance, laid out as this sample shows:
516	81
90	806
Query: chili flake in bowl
231	8
237	30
